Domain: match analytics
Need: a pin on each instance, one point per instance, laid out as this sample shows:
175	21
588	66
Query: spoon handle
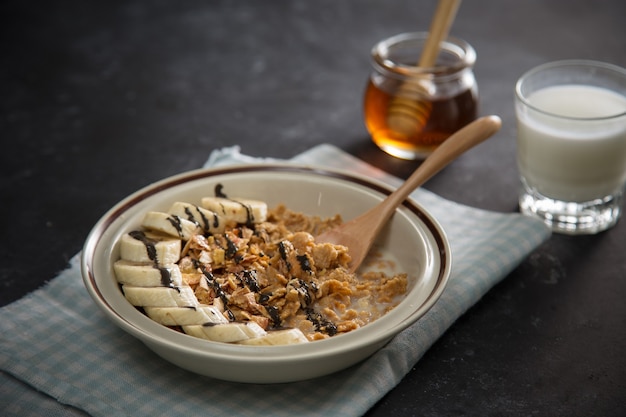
464	139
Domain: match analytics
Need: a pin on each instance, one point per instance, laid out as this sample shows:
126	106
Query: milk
565	156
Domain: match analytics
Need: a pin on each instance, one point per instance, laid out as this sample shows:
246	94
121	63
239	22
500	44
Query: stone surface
100	99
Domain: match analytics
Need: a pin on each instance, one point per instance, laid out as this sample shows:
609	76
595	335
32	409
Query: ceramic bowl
412	237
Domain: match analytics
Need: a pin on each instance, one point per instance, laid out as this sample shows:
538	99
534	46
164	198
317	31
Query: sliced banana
170	224
146	247
151	279
160	296
241	210
182	316
227	333
209	221
147	274
277	337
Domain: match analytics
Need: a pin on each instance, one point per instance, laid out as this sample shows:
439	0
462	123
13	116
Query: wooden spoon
358	234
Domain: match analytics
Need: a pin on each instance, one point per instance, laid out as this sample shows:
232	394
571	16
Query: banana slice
170	224
227	333
147	274
277	337
138	246
209	221
241	210
160	296
182	316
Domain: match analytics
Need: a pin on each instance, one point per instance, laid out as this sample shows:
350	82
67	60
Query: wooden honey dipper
407	115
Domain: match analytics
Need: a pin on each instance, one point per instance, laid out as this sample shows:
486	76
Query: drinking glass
571	144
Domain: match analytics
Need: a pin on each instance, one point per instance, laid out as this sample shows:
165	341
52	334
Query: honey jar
410	110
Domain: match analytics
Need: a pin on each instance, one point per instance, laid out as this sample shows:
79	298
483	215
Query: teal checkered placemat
60	356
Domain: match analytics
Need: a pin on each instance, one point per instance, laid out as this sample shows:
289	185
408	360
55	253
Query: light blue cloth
60	356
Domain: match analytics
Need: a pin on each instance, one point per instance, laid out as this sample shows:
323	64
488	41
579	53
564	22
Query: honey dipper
406	115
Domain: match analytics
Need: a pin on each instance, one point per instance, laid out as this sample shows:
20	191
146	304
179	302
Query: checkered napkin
60	356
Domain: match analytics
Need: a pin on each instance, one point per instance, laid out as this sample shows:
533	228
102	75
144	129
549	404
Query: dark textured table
101	98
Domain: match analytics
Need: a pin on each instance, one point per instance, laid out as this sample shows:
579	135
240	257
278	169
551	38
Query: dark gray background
101	98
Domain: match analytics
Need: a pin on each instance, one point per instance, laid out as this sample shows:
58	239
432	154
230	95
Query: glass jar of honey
410	110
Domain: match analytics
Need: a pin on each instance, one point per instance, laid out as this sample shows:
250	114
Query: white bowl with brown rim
413	238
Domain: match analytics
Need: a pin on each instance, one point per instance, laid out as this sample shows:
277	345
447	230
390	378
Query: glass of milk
571	144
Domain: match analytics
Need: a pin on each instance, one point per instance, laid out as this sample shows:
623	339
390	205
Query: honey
409	111
443	117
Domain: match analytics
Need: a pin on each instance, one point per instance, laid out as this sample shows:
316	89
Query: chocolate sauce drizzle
219	192
231	248
282	250
248	277
175	221
320	322
205	224
305	262
274	314
150	244
212	283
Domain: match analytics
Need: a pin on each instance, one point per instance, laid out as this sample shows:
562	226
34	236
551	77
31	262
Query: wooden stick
439	28
406	115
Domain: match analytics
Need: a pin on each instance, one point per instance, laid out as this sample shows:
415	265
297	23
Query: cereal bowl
413	239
